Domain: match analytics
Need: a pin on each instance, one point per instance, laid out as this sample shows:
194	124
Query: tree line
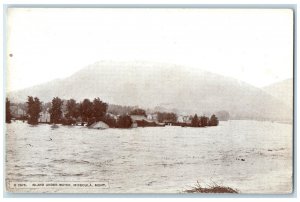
204	121
86	111
70	112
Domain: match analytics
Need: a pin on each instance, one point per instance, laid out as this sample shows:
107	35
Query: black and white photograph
149	100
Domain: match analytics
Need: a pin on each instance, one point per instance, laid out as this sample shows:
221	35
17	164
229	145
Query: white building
44	117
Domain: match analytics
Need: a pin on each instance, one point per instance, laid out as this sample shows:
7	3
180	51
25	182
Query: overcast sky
255	46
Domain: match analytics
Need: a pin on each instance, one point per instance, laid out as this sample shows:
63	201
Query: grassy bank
214	188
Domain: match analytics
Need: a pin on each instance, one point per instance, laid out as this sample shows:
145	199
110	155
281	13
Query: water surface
251	156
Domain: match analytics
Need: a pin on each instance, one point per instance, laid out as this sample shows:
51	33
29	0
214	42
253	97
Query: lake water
251	156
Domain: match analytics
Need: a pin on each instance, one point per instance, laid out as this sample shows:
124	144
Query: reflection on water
251	156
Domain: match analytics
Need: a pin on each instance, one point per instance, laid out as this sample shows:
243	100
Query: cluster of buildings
152	120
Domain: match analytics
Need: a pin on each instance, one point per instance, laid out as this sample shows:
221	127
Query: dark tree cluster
55	110
7	110
195	121
72	112
204	121
124	121
92	112
72	109
213	121
88	111
34	109
85	111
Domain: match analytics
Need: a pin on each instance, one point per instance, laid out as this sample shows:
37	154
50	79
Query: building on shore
44	117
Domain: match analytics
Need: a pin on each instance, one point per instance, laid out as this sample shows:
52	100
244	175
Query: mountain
282	90
149	85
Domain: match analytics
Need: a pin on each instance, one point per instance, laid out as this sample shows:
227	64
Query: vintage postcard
149	100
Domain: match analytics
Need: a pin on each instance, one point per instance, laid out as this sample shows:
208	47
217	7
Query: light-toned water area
251	156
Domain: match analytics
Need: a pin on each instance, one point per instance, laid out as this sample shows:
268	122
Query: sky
252	45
